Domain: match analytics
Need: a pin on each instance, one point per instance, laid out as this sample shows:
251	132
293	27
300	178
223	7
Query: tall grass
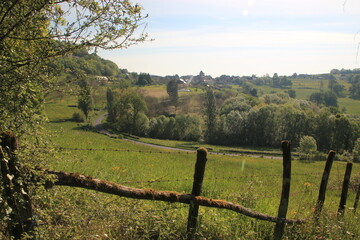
252	182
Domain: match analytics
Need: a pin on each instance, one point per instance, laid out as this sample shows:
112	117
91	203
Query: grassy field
305	87
252	182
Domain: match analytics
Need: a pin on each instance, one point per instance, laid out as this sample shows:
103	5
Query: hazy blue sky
244	37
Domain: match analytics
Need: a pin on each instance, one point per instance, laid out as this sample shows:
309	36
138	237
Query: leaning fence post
283	207
345	188
196	191
323	184
357	198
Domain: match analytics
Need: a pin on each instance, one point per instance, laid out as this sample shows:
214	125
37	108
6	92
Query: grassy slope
253	182
305	87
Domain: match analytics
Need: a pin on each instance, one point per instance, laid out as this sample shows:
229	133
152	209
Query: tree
343	133
291	92
33	33
210	116
356	151
336	87
355	89
144	79
128	111
307	147
249	89
85	102
235	104
172	90
317	98
328	98
275	80
110	106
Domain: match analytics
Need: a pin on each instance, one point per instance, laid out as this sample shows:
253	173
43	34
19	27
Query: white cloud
242	38
240	53
245	44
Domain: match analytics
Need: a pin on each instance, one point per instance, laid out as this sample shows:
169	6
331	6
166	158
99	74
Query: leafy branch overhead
75	24
33	32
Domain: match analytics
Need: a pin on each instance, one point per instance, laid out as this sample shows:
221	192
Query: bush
344	157
356	151
307	148
78	117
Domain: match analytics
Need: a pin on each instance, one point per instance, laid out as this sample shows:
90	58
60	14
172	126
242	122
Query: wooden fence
15	192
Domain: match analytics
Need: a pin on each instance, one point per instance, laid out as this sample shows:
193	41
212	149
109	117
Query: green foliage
356	151
32	34
328	98
291	92
210	116
172	90
110	106
235	104
85	101
278	117
337	88
355	86
253	182
278	98
126	109
92	65
280	82
249	89
144	79
307	147
78	117
181	127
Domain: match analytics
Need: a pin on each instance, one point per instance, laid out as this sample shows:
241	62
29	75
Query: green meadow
253	182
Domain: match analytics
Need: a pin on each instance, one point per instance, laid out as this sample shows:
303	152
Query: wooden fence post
283	207
15	190
323	184
345	188
357	198
196	191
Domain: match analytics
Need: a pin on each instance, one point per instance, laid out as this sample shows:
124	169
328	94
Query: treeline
127	112
275	81
354	89
242	120
81	64
81	61
275	117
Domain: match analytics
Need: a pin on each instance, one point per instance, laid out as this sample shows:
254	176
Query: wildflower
307	184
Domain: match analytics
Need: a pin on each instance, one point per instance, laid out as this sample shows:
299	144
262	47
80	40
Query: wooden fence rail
77	180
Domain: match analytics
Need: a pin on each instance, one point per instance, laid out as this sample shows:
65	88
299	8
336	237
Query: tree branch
77	180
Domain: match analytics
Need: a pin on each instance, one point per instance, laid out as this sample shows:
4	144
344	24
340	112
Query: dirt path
98	120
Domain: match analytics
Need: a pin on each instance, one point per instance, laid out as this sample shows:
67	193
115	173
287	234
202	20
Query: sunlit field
252	182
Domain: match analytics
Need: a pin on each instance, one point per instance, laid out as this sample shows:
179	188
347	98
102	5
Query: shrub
307	147
356	151
78	117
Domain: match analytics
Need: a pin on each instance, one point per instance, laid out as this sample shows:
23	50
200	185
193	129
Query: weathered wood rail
81	181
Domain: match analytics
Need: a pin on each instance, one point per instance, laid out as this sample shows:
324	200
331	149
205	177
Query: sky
245	37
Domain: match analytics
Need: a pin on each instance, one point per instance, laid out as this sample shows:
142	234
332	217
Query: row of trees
127	113
274	118
240	120
355	86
